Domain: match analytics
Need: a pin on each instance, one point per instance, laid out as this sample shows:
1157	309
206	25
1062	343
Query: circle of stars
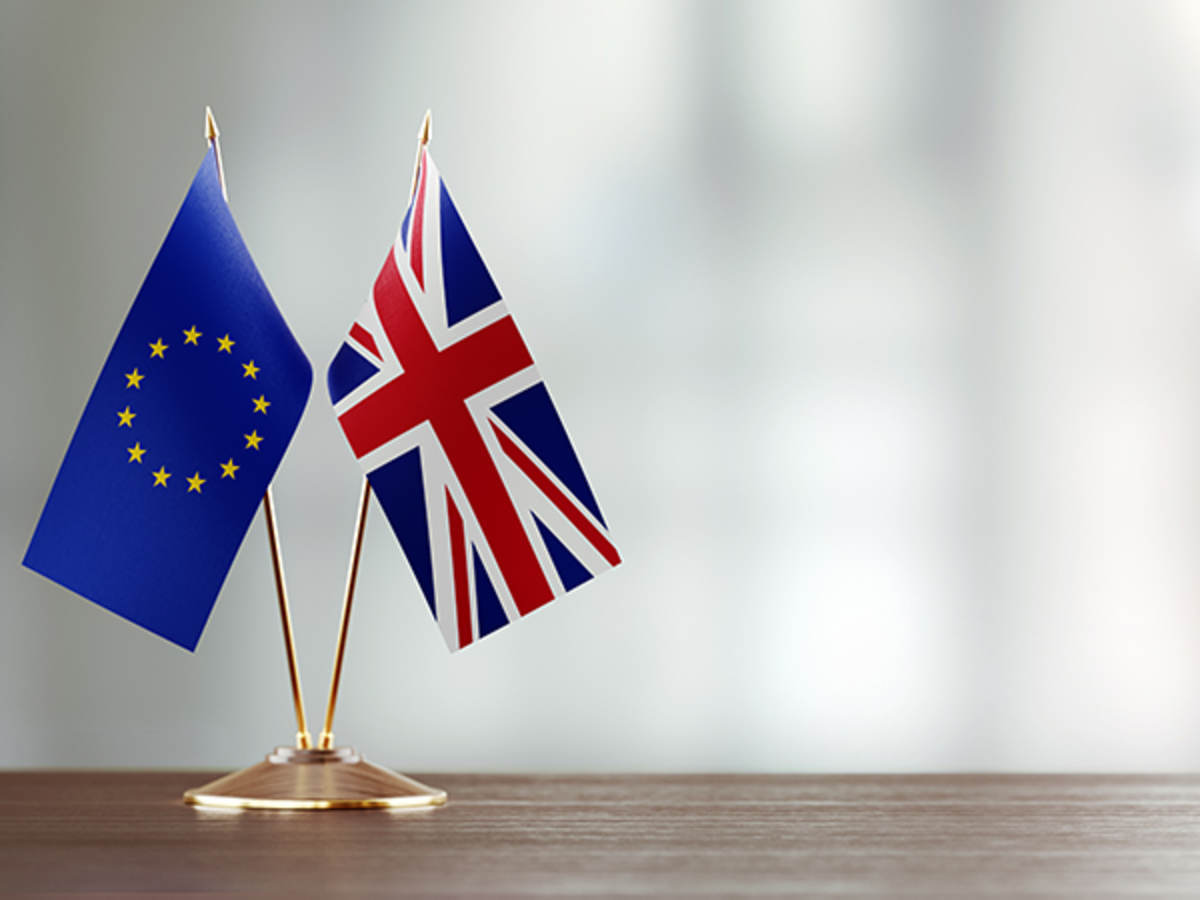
133	382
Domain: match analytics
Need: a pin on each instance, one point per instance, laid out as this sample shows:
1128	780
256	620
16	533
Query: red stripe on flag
363	336
564	503
416	244
433	381
462	587
433	387
493	509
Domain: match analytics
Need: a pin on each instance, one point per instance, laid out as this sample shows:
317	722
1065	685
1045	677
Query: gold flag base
315	779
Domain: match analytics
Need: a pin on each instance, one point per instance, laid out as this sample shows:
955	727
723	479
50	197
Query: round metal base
315	779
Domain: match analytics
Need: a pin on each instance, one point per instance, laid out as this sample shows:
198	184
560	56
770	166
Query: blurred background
874	324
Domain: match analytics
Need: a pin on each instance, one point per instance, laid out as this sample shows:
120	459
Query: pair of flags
435	390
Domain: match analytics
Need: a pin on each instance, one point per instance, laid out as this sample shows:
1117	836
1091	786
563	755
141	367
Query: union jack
449	418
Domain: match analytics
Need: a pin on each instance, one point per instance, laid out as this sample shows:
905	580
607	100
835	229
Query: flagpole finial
422	139
213	135
211	132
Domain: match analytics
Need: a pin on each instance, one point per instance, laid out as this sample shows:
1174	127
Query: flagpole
303	738
360	524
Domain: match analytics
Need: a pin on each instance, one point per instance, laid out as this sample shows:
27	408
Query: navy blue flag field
184	430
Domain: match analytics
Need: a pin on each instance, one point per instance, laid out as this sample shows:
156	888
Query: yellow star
161	476
253	439
136	452
226	344
261	403
194	483
251	370
158	348
228	468
192	336
126	418
134	379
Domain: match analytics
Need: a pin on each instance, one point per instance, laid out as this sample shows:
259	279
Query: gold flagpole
360	524
304	777
364	500
303	738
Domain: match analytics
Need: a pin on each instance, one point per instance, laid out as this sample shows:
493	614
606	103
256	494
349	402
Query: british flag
449	418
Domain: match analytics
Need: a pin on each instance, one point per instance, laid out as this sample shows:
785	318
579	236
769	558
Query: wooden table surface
852	835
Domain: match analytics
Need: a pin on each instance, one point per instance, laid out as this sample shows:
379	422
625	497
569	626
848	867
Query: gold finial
213	135
422	139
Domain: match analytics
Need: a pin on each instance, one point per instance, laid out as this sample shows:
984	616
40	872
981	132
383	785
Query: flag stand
301	777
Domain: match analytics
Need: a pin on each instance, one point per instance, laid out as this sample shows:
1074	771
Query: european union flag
183	432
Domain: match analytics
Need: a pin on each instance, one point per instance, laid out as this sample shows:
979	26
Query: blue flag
184	430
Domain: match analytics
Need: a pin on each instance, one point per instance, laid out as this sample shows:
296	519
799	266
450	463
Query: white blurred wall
875	325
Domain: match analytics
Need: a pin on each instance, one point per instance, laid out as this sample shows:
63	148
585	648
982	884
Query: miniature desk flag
188	421
449	418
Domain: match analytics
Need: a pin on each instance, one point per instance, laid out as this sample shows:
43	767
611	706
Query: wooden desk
863	835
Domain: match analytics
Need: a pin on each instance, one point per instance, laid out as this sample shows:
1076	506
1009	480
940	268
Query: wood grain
861	835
